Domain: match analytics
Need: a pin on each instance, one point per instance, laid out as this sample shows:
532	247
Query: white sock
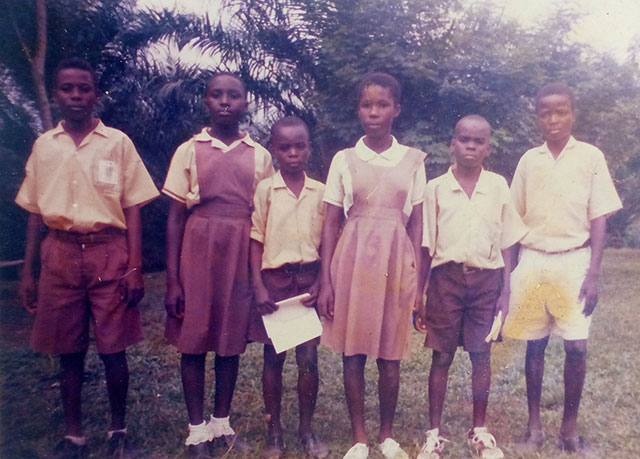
111	432
198	434
220	427
80	441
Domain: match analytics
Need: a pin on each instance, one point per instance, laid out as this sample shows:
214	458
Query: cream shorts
544	295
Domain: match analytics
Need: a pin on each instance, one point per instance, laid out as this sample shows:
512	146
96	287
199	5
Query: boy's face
75	94
377	109
555	117
470	144
291	147
225	100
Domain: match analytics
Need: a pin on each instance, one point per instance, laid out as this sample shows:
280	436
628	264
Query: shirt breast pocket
107	176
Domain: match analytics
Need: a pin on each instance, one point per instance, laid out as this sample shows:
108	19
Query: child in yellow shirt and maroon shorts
285	262
471	226
86	183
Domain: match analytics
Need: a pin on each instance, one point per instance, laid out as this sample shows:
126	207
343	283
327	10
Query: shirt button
75	204
75	182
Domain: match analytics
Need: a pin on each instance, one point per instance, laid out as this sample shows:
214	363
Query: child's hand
174	300
132	287
325	302
589	293
314	291
420	315
27	293
264	303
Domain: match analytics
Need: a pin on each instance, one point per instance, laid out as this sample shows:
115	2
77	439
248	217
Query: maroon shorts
282	283
461	307
81	283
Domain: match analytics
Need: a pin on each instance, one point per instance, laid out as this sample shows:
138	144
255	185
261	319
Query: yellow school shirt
181	183
84	188
558	198
470	230
290	228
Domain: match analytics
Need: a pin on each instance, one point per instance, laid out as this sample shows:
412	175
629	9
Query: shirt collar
204	136
544	148
367	154
278	182
482	185
100	129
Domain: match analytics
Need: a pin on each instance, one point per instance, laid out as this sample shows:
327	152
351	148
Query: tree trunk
37	64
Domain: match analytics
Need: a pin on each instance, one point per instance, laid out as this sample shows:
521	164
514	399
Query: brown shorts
81	283
461	307
282	283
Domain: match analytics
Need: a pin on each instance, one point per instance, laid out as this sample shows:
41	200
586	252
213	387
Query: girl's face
225	100
377	109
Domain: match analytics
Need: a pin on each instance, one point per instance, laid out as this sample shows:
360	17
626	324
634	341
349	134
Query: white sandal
433	445
484	444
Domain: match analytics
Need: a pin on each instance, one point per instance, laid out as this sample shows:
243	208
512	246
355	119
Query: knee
442	360
307	363
576	351
481	359
114	359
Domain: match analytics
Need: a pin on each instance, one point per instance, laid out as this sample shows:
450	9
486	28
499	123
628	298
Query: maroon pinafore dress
214	263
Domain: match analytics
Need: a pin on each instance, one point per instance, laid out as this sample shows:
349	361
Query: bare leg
226	369
307	360
353	367
575	367
388	387
272	388
534	372
192	367
480	385
440	363
71	376
117	375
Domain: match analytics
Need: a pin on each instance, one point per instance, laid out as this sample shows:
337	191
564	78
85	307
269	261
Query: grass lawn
32	420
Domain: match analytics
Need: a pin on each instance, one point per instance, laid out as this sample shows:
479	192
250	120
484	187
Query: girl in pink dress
370	265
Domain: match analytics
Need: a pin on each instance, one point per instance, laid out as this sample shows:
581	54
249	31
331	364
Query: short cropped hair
288	121
75	63
556	88
225	73
381	79
473	117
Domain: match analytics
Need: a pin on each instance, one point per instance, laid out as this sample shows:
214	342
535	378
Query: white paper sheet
292	324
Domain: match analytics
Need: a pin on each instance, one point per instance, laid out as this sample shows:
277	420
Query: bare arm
330	232
174	299
133	283
414	230
509	256
27	287
591	284
264	303
420	313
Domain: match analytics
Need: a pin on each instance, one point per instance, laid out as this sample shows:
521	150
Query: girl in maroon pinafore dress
211	179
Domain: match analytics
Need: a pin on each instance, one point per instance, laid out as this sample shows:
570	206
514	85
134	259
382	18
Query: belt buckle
466	269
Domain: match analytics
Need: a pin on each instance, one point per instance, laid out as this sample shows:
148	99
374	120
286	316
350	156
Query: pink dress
373	267
214	263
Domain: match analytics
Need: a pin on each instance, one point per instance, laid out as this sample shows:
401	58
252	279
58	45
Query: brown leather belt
96	237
